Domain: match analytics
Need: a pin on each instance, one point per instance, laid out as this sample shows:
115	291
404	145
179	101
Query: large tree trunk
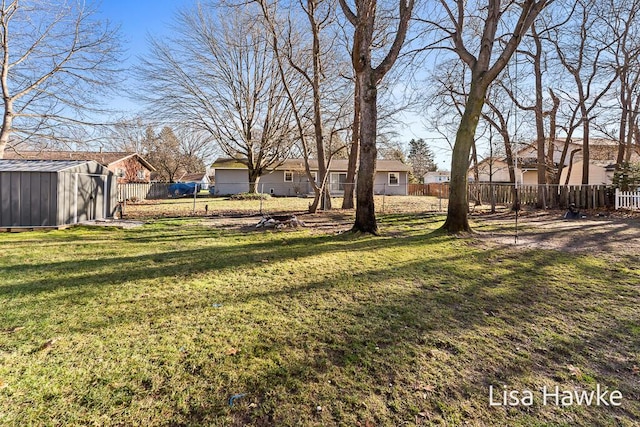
457	220
254	176
354	152
365	211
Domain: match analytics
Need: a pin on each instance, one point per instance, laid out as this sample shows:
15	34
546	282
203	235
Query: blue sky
138	19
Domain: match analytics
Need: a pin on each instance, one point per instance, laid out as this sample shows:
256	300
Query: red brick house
128	167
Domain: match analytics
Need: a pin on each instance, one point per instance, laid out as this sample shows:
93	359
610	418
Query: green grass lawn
175	323
223	205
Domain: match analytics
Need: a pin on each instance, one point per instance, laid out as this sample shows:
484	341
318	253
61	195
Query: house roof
193	177
12	165
105	158
226	163
337	165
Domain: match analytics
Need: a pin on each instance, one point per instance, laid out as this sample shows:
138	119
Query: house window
337	181
288	176
120	172
394	178
314	175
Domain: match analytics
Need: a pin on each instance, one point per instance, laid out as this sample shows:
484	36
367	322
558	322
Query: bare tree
514	19
626	53
583	47
368	77
172	153
56	56
220	76
126	135
182	149
317	63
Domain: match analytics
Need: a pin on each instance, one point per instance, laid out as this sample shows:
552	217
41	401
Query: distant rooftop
298	164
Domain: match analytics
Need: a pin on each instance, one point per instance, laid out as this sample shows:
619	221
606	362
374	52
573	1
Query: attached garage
52	193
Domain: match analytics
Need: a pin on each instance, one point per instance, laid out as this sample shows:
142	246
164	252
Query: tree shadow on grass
89	277
424	335
372	346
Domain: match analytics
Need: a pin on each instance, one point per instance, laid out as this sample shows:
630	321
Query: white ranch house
290	178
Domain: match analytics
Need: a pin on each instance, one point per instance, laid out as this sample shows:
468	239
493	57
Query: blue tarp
183	189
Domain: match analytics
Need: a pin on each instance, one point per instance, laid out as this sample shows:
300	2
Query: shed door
90	197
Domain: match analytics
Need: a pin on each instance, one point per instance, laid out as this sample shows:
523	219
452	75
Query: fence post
617	198
261	196
384	193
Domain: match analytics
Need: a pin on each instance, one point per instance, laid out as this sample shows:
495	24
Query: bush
250	196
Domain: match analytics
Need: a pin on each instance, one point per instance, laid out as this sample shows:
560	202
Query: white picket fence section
627	199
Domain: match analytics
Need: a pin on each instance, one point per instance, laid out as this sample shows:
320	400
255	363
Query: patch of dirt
333	222
119	223
613	233
616	233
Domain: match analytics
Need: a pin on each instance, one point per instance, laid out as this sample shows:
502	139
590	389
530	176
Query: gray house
51	193
290	178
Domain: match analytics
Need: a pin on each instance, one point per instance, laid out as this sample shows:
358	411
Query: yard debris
279	221
573	213
232	351
216	305
236	397
47	344
575	371
14	329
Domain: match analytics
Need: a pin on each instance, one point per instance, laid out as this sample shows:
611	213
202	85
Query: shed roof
9	165
105	158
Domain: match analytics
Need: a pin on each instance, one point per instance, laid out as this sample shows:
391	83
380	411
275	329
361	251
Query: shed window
141	174
394	178
288	176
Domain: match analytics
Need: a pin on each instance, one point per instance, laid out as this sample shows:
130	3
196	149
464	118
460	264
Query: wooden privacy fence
143	191
627	199
553	196
434	190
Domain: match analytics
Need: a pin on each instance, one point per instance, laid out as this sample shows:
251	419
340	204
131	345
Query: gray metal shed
50	193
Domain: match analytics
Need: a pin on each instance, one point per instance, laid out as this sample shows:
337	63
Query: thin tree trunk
539	117
570	166
476	173
354	152
585	153
5	133
553	113
7	119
